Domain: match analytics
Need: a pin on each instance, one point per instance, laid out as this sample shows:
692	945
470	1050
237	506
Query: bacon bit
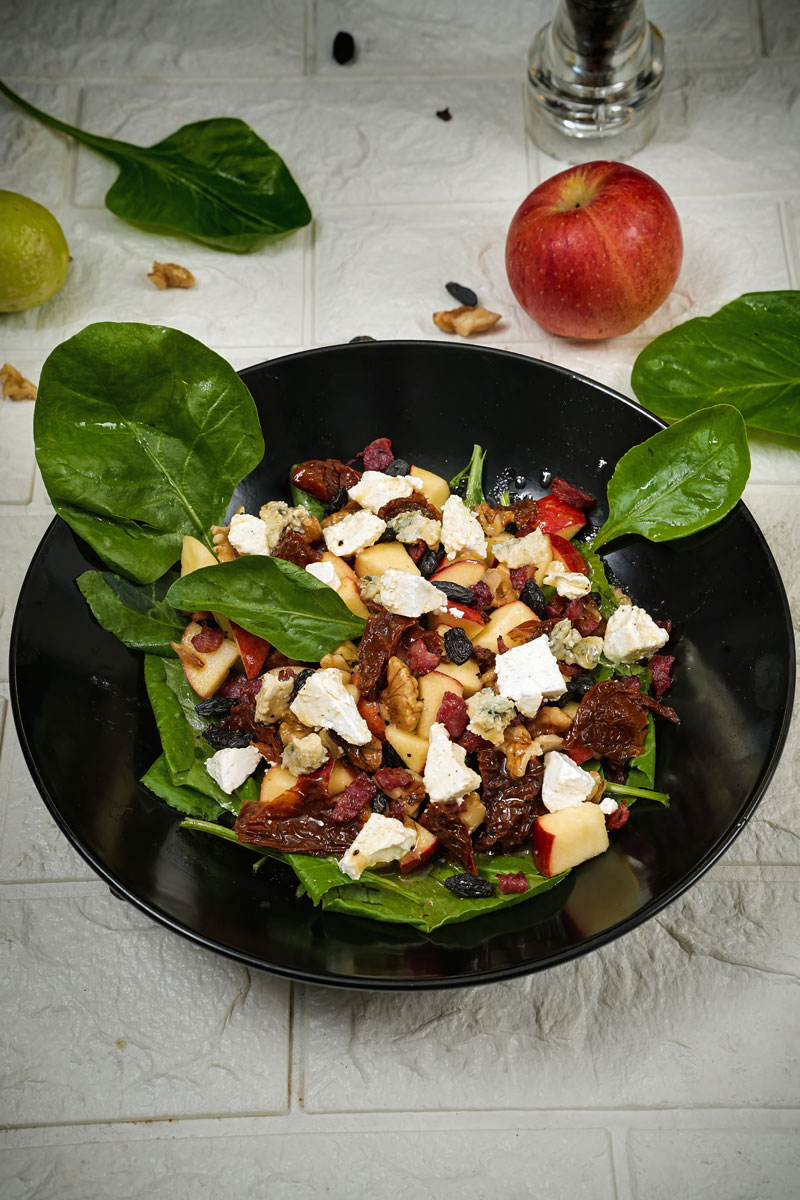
665	624
420	659
416	551
14	384
208	640
170	275
580	755
571	495
482	593
239	687
617	819
376	454
661	665
471	742
370	711
453	715
392	777
516	882
354	799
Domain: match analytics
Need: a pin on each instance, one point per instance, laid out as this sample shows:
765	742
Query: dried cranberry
377	454
519	577
665	624
515	882
354	799
618	818
482	593
208	640
239	687
420	659
568	669
533	596
224	739
471	742
217	706
458	646
661	665
453	715
571	495
416	551
469	887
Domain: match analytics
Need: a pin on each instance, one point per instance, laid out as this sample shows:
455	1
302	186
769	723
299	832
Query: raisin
456	592
390	757
578	685
444	114
337	501
301	678
388	535
533	596
463	295
482	593
224	739
398	466
364	337
458	646
469	887
217	706
379	803
429	562
344	48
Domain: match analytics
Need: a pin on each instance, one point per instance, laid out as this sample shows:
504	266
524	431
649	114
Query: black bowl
88	735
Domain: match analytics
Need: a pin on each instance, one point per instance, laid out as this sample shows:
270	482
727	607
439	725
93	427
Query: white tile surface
34	159
781	28
16	436
754	1165
130	1021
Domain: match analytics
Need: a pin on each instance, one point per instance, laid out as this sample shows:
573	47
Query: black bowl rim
495	975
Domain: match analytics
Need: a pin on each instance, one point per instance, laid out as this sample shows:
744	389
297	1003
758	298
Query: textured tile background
136	1066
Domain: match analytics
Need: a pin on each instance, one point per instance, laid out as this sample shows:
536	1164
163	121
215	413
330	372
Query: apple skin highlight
594	250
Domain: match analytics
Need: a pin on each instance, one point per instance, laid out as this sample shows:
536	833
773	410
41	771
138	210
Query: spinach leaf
141	434
469	480
681	480
215	180
137	614
642	772
747	354
597	577
282	603
185	799
628	793
311	503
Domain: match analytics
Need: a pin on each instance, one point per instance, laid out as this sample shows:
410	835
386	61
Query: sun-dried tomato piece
557	606
322	477
377	454
354	799
364	758
584	615
524	514
611	721
661	665
617	819
297	833
378	644
453	715
443	819
294	548
270	746
512	805
421	659
511	883
404	504
571	495
208	639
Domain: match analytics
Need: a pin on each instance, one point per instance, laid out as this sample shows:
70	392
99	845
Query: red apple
423	850
594	250
554	516
567	837
572	559
253	650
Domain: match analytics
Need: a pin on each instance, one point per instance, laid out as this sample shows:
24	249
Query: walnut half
15	385
170	275
466	320
519	749
401	695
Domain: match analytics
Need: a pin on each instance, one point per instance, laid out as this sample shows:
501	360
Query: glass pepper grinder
594	80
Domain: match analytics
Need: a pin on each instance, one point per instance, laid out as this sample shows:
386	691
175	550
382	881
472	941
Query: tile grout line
790	247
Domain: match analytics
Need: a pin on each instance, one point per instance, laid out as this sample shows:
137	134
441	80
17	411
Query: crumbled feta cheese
272	700
569	647
230	767
304	755
404	594
461	529
381	840
354	532
325	573
278	517
528	674
412	527
323	701
374	489
489	714
608	806
631	633
571	584
532	550
248	534
446	776
565	784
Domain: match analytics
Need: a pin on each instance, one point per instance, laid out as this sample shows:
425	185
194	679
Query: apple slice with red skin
371	713
460	617
502	621
252	649
563	839
472	812
554	515
571	558
425	846
206	670
466	572
432	688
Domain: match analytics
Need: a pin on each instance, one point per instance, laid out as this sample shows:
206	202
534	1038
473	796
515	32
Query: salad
428	705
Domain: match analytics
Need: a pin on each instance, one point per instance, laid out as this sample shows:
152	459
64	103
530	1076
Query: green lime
34	254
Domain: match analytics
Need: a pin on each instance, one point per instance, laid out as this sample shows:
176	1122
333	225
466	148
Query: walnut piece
15	385
170	275
498	580
343	658
401	695
519	749
466	320
494	520
290	727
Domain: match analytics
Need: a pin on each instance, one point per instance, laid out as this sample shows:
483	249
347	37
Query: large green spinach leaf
681	480
609	603
215	180
291	609
141	434
137	614
747	354
188	800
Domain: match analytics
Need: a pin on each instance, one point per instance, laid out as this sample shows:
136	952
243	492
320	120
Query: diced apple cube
377	559
206	670
195	555
563	839
466	572
434	488
501	622
467	674
340	778
423	850
276	781
350	595
412	748
432	688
